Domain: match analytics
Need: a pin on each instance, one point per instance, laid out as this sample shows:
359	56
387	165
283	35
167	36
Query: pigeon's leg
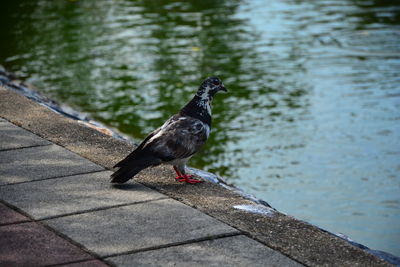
182	177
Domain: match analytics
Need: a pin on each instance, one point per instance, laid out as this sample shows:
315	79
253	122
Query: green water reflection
311	121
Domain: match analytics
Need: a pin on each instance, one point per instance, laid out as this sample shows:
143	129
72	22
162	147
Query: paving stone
8	216
138	226
228	251
76	193
31	244
12	137
28	164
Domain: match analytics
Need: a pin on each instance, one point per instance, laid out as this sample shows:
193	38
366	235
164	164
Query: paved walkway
58	208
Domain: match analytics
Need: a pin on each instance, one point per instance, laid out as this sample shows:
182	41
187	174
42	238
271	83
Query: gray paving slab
8	216
65	195
228	251
34	163
12	137
31	244
138	226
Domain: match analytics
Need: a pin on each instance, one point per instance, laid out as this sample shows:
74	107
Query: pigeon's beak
222	88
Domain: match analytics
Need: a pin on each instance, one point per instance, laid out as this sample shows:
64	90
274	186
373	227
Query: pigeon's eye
215	82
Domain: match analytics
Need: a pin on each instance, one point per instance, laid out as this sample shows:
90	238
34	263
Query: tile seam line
55	177
24	147
44	219
176	244
15	223
80	261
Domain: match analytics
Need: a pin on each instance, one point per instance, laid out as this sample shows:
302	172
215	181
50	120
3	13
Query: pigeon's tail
129	168
124	174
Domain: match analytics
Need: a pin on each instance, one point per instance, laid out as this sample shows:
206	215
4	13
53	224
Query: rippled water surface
312	120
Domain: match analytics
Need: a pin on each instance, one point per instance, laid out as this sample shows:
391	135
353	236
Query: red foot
186	178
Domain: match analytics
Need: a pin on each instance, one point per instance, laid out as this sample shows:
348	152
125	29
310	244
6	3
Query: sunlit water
311	123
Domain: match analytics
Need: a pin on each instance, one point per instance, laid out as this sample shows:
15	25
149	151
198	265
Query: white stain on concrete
257	208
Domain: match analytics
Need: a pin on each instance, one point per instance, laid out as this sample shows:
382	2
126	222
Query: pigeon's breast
178	139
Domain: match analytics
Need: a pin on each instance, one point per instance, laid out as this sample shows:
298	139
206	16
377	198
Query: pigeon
177	140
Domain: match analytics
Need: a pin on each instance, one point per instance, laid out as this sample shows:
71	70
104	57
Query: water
311	122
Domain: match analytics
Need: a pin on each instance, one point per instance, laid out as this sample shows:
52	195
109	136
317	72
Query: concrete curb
298	240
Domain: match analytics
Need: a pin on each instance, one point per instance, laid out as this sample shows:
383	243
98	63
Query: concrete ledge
298	240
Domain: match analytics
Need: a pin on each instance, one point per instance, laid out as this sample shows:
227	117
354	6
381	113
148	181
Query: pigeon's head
210	87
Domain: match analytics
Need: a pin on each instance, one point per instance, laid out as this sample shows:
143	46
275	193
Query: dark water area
311	123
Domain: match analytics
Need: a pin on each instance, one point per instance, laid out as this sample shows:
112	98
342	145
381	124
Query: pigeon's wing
180	138
138	152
